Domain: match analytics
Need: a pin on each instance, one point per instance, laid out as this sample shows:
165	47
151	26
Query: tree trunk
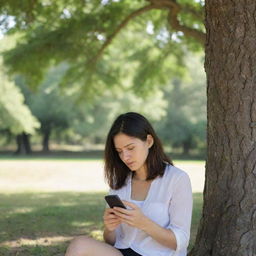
23	144
228	225
46	137
186	145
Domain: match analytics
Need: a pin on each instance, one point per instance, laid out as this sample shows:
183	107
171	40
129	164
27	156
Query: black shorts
129	252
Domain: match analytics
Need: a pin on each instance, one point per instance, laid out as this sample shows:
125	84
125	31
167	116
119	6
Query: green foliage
15	116
94	119
146	54
185	122
75	31
53	107
73	38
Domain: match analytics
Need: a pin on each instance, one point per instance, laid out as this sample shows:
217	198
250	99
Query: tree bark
228	224
23	144
46	137
186	145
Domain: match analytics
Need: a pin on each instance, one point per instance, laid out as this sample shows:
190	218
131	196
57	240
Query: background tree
53	107
184	125
14	114
16	118
94	118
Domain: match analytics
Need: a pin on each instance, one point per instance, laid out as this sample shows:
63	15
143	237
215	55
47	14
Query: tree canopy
116	46
79	32
15	115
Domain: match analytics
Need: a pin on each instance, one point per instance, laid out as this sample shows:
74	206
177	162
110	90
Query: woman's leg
86	246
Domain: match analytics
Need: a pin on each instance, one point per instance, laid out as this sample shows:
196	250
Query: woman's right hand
111	221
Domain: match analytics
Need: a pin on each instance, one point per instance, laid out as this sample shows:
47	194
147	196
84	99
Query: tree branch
121	26
198	14
174	9
190	32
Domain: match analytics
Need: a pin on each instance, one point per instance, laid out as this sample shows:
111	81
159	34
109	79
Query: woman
157	196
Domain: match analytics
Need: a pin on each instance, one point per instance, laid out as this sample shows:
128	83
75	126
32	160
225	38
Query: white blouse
169	204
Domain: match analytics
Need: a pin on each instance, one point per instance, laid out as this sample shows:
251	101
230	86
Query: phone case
114	201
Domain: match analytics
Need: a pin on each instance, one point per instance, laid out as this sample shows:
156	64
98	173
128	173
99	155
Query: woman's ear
150	140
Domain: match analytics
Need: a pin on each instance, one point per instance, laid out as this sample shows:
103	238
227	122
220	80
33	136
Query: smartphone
114	201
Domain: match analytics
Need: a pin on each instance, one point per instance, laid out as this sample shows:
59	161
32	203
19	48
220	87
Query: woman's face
132	151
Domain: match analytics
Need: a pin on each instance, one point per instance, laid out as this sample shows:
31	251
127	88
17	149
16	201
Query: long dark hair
134	125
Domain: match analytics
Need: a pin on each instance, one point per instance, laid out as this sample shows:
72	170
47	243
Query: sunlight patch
81	224
21	210
97	234
40	241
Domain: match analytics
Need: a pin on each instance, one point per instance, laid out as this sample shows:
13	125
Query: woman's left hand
133	217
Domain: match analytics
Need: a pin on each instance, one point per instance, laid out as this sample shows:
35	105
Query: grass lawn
39	217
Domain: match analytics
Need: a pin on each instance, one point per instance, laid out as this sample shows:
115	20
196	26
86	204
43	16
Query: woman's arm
136	218
109	236
111	222
162	235
176	234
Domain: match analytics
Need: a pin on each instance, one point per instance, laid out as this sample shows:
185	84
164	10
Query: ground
44	203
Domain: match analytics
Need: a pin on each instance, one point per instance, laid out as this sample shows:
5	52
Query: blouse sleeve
180	211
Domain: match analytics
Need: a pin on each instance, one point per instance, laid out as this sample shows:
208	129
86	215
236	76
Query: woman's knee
80	246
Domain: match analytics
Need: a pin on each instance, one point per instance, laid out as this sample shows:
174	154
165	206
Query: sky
6	22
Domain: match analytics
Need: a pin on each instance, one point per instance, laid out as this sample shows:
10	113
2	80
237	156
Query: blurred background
67	70
51	118
63	82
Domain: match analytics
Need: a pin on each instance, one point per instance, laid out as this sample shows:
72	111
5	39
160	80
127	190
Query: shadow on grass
54	155
37	250
83	155
41	224
47	216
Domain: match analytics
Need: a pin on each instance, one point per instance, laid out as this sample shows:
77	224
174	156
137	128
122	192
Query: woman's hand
133	217
111	221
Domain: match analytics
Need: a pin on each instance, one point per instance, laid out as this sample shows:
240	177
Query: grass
80	155
54	155
36	222
42	222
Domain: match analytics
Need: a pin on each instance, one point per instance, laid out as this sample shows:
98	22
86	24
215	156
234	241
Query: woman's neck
140	175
